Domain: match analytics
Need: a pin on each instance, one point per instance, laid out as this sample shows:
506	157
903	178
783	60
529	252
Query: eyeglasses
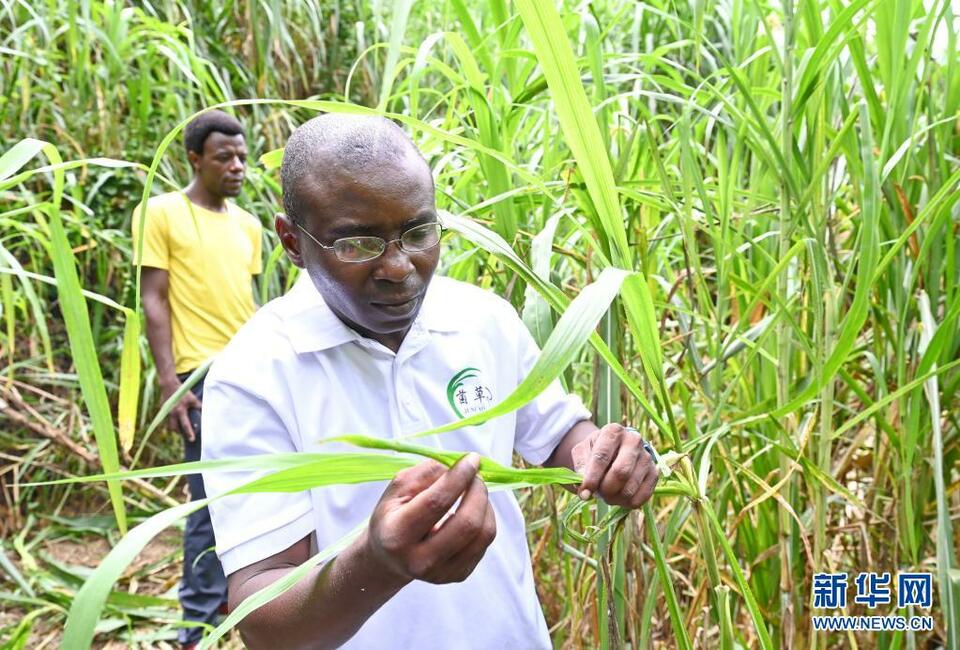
364	249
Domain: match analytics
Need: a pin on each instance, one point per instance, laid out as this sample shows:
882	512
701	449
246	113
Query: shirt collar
312	326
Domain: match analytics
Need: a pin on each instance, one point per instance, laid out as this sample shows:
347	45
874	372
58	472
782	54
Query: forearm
324	609
160	337
562	456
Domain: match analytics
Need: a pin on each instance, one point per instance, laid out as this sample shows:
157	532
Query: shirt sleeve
256	238
156	237
248	527
542	422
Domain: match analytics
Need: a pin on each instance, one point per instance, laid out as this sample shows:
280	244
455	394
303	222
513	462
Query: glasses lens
421	238
358	249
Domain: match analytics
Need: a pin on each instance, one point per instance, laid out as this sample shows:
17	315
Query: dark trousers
203	587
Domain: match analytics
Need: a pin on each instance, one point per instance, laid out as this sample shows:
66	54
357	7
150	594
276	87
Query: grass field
779	178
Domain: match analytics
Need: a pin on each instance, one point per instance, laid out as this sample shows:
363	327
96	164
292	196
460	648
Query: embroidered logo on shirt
468	394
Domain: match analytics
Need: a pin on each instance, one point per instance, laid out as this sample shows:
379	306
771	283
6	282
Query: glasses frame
385	242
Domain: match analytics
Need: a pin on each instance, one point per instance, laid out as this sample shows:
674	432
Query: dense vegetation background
783	174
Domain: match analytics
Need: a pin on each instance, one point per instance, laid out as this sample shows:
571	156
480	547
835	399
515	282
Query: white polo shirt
295	374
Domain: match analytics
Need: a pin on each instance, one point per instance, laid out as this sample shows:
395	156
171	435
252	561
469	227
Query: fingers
414	480
603	450
631	491
185	427
404	534
425	509
460	529
638	489
179	418
647	486
173	422
624	465
580	454
459	567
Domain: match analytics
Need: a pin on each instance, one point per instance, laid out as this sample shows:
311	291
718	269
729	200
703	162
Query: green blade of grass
77	321
129	379
536	312
681	637
489	469
398	27
946	558
336	464
580	129
19	155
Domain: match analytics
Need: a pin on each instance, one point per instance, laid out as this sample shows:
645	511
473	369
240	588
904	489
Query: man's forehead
338	219
333	185
338	224
219	140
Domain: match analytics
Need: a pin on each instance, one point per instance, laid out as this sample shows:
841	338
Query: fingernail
473	459
585	494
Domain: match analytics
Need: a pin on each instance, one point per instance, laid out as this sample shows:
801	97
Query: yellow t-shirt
211	258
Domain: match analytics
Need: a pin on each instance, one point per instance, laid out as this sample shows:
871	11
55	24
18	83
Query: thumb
580	454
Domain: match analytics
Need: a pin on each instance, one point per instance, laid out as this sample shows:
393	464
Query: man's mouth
397	307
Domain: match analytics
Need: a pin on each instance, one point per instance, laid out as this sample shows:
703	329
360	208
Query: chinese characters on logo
872	589
829	590
468	392
915	589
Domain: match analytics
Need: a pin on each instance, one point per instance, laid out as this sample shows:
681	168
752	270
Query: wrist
562	456
372	562
168	383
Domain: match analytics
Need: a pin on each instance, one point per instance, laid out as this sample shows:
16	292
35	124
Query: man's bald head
336	147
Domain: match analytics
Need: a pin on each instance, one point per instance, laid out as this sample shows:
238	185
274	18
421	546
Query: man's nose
237	165
395	264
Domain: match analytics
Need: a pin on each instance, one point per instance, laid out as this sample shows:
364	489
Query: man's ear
194	159
289	238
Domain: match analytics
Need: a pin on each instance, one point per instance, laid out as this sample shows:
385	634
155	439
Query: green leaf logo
455	385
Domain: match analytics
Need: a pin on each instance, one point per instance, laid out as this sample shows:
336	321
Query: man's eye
366	244
415	236
421	237
359	247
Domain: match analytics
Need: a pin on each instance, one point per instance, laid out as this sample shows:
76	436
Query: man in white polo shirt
369	342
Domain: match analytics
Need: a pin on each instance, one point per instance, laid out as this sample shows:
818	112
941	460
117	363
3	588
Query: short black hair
200	128
354	142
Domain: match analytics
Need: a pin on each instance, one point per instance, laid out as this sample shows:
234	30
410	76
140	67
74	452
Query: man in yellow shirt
200	253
